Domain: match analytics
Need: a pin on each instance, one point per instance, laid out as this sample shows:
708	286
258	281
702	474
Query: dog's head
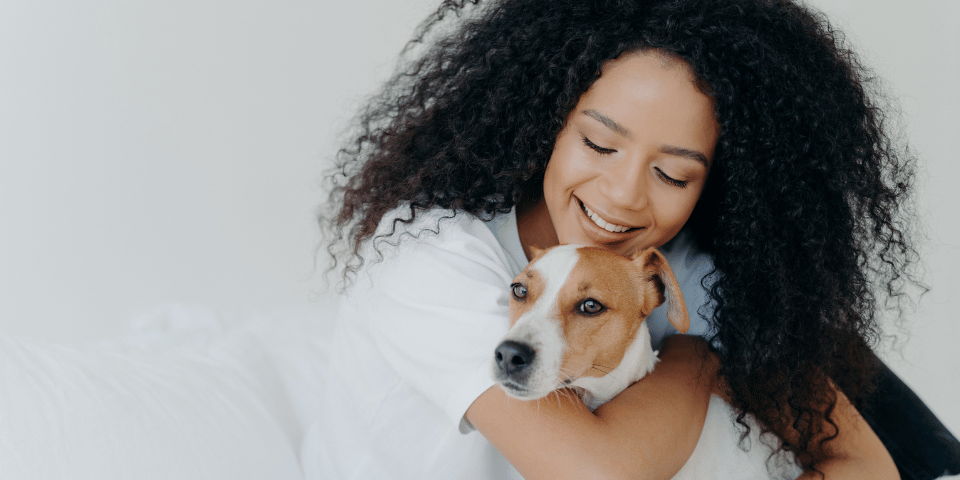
575	313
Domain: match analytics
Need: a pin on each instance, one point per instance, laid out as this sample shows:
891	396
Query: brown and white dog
577	321
577	316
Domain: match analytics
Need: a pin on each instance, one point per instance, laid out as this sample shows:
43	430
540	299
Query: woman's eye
519	291
590	307
670	180
595	147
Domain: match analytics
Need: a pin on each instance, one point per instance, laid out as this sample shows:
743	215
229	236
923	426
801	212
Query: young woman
735	135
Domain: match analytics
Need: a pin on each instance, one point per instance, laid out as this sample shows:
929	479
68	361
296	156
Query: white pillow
163	404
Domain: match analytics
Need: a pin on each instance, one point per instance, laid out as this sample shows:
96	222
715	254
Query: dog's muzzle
513	364
513	358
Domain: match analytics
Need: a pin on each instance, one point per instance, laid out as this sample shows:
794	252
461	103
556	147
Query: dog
577	321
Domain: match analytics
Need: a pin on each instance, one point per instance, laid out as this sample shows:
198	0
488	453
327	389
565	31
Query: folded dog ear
537	252
654	266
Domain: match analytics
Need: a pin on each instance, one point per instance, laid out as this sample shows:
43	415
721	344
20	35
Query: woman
617	124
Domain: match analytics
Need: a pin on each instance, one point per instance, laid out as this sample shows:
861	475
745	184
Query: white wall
915	47
155	152
171	151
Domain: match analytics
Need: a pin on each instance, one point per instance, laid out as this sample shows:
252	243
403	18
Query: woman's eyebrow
668	149
686	153
612	125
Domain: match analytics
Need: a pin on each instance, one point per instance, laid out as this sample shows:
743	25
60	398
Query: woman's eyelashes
670	180
595	147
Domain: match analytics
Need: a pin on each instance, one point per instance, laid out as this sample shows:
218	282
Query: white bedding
187	394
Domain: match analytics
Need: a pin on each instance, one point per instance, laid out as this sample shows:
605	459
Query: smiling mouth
610	227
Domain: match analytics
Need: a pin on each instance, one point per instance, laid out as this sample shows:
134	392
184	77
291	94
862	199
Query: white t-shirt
414	343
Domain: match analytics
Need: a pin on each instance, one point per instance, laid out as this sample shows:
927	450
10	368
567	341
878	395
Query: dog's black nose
512	357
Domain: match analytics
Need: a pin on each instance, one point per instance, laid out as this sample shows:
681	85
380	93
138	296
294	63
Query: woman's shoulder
441	241
685	256
432	225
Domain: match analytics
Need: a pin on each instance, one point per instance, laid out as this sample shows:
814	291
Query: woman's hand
648	431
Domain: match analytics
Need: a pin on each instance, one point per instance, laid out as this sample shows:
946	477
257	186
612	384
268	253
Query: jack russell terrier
577	316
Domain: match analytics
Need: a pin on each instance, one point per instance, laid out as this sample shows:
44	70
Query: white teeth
602	223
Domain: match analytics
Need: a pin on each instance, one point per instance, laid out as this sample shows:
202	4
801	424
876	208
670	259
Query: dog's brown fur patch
596	344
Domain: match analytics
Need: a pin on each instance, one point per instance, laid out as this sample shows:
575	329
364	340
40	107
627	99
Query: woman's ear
654	266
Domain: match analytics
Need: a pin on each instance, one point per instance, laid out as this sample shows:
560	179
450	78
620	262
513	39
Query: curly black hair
806	210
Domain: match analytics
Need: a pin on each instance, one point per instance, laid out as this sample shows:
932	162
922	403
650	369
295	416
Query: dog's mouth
514	389
521	391
600	222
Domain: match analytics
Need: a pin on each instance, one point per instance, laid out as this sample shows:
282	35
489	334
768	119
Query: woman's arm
857	452
646	432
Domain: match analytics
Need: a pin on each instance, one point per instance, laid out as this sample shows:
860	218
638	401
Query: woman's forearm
646	432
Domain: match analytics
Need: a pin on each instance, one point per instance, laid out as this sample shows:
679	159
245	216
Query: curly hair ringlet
806	212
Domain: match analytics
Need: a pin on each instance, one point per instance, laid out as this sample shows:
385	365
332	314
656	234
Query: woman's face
631	161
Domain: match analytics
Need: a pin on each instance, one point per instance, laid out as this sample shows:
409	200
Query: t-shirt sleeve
437	307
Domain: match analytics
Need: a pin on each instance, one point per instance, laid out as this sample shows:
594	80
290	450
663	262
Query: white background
171	151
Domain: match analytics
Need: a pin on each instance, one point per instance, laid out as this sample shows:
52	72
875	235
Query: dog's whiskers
605	370
601	368
565	377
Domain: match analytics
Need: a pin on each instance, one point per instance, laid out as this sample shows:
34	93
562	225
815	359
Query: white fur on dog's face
580	311
536	326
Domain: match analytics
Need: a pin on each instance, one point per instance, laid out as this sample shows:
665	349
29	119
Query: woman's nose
624	185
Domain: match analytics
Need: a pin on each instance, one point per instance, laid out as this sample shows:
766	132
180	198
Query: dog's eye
590	307
519	291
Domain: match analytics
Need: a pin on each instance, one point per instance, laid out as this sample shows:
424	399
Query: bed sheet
187	393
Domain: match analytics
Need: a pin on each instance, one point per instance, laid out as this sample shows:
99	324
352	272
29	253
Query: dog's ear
536	252
654	266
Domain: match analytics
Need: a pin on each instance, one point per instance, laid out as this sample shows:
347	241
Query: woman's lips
600	222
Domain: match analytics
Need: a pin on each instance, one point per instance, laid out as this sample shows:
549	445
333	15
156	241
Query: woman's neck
535	226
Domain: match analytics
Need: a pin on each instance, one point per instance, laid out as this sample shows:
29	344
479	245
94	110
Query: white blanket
186	395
